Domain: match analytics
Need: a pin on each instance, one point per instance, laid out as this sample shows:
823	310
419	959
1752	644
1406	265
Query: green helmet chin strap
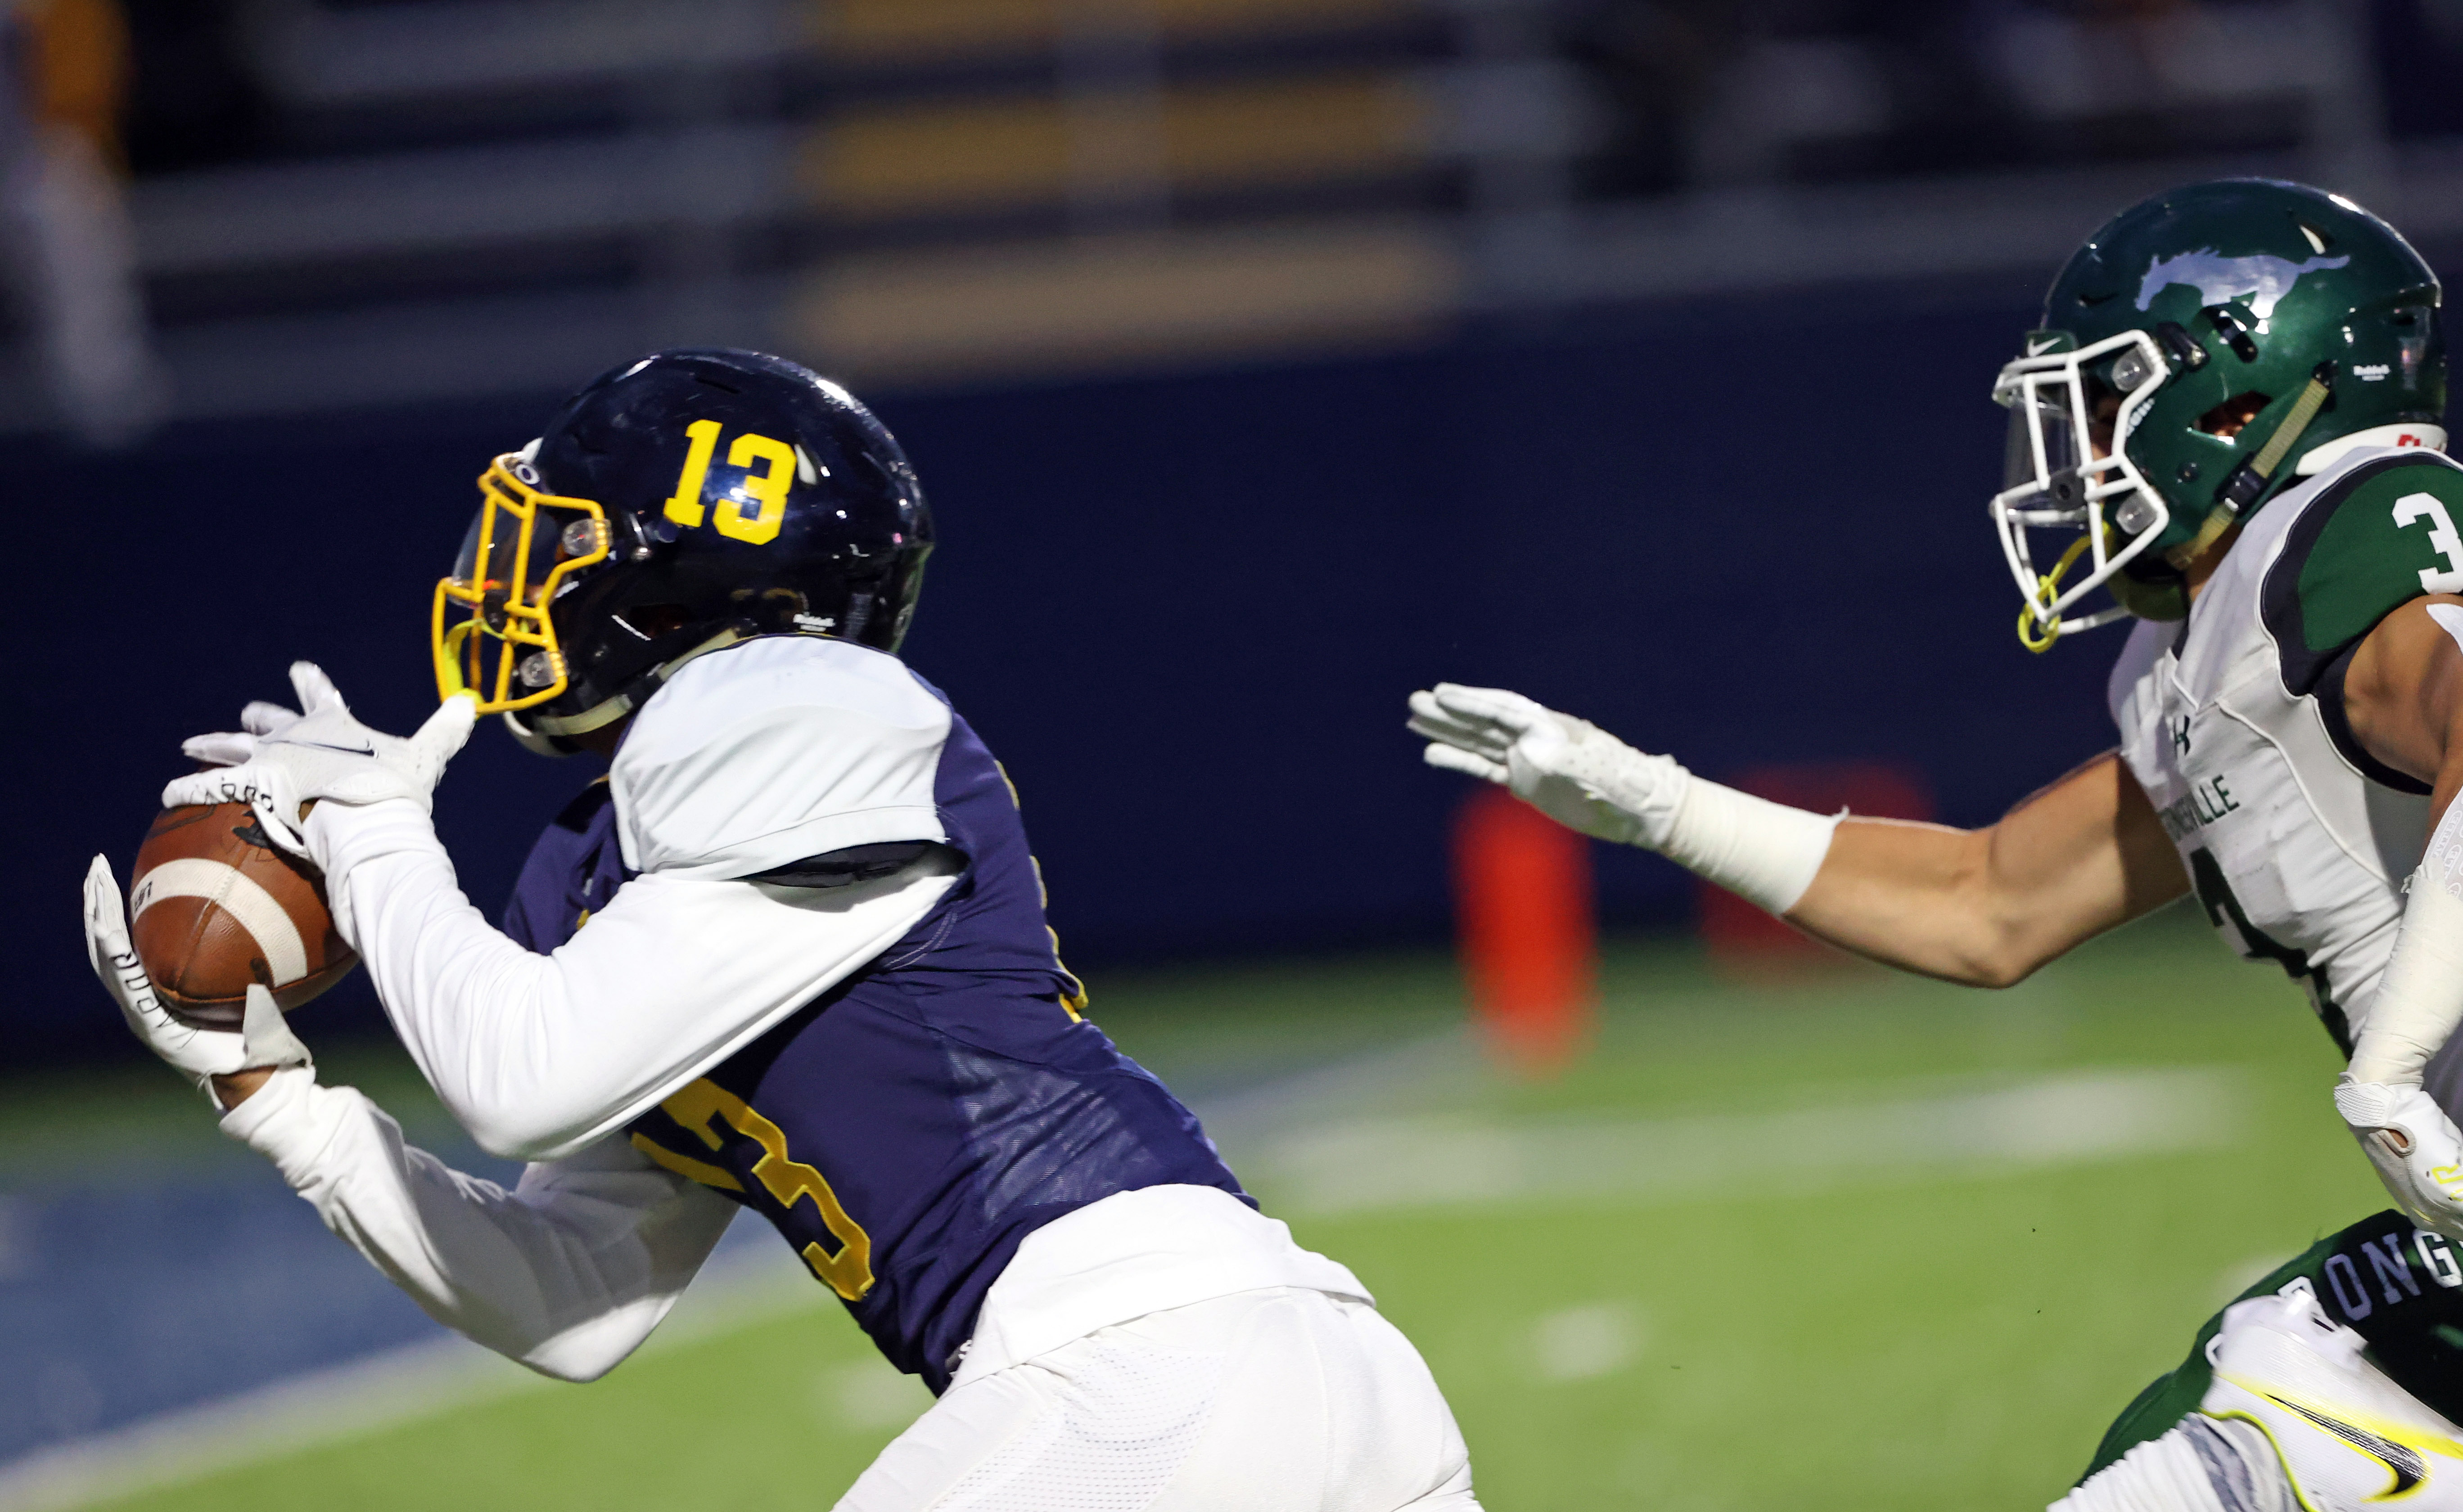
2248	481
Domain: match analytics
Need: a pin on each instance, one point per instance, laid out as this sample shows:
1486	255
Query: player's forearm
2404	698
1917	896
566	1274
1987	907
486	1021
2419	1000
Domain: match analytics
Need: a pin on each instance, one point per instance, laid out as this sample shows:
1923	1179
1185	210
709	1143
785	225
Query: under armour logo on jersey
2180	731
2408	1467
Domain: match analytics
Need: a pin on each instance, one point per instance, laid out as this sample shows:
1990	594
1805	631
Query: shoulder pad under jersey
2375	537
774	750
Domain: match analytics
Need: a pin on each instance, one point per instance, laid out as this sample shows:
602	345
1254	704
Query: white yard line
380	1391
396	1386
1438	1160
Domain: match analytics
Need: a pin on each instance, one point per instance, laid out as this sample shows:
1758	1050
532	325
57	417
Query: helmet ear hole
2233	415
2233	326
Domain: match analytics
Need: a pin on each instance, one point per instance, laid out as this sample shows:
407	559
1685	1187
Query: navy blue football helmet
678	505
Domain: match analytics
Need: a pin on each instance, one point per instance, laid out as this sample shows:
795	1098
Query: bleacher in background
354	204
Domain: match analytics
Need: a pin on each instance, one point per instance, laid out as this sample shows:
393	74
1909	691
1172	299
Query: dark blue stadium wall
1185	611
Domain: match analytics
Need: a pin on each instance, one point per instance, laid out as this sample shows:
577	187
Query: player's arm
2403	696
1987	907
539	1055
1979	906
568	1272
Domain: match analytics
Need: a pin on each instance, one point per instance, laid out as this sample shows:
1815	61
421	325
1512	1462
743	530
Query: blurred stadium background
1264	360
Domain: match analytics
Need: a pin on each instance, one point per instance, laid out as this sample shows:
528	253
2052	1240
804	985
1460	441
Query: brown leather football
215	906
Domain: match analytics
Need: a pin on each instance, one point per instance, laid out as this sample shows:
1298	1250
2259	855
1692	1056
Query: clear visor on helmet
2066	471
2040	425
491	632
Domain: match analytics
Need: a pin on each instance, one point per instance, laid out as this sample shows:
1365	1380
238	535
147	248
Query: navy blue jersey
906	1128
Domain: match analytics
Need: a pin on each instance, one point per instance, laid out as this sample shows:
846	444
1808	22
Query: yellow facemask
521	549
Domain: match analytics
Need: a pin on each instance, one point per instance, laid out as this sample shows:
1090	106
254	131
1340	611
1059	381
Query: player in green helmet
2229	427
2316	335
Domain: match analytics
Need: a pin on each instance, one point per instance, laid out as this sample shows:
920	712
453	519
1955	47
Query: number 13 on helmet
681	504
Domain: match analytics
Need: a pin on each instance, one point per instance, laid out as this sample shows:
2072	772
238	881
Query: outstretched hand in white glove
2415	1146
264	1038
1569	770
279	762
1588	780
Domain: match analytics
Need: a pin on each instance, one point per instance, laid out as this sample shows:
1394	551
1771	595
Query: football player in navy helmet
2232	420
788	955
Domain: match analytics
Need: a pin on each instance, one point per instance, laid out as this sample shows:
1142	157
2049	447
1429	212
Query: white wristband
1765	852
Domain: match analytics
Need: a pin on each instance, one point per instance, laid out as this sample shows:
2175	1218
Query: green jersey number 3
2442	540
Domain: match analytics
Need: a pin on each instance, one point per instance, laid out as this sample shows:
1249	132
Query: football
215	906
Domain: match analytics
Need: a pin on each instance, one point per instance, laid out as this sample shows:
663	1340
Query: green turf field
1894	1334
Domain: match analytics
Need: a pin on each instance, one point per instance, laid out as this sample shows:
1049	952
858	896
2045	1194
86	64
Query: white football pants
1282	1400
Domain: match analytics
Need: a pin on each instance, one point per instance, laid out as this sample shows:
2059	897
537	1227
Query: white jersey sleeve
748	759
567	1273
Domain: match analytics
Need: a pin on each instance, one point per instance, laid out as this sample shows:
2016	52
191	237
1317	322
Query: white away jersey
2296	841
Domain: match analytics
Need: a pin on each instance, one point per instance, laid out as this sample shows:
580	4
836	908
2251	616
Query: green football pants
2398	1287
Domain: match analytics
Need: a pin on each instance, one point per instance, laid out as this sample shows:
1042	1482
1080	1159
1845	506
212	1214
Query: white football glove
231	748
264	1038
2414	1145
281	762
1569	770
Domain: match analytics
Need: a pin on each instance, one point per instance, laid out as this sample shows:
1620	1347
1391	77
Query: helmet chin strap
2037	627
534	742
607	711
2250	479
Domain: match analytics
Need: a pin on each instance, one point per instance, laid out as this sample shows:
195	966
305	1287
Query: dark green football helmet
2200	352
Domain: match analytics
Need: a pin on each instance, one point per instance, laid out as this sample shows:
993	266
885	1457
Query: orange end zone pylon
1528	929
